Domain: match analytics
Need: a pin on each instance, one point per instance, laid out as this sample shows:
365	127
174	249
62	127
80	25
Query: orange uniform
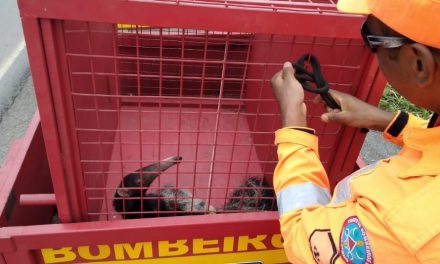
386	212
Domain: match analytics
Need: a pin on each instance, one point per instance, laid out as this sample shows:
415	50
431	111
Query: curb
13	72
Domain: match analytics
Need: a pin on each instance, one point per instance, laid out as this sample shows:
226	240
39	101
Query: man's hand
290	96
355	113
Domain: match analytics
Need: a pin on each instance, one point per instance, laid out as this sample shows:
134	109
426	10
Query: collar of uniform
427	141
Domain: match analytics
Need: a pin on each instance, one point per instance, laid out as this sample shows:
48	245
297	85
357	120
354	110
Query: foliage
393	101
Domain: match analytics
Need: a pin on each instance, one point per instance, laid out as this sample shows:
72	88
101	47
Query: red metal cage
123	84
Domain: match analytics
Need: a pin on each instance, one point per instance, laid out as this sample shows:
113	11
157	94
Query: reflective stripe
301	195
342	191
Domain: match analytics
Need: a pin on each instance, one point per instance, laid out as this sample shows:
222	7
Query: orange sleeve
315	230
305	165
401	122
299	181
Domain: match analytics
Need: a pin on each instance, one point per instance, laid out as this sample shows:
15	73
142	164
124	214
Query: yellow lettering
277	241
228	244
51	255
199	246
133	253
245	241
146	250
167	249
103	252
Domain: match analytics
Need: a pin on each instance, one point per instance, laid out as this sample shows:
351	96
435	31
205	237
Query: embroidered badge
354	245
323	247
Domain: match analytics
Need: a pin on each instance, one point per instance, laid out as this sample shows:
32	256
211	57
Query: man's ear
423	64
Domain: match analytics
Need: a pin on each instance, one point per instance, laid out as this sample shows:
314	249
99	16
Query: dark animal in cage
255	194
136	183
131	197
176	202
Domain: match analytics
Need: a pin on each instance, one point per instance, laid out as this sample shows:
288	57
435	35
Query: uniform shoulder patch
323	247
353	244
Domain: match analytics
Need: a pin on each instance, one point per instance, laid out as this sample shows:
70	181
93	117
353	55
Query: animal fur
176	201
255	194
131	199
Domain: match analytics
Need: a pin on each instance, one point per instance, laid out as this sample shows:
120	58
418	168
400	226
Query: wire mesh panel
141	94
145	116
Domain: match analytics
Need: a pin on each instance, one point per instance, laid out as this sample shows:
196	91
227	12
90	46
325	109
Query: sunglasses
374	42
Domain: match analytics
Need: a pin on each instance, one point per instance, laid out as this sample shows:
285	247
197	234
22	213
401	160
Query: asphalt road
13	56
376	148
16	120
10	26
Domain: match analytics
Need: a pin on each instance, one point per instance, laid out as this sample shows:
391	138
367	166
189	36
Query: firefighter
387	212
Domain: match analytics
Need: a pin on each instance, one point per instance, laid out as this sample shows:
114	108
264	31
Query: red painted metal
38	63
65	117
268	17
193	83
215	229
20	175
38	199
116	98
370	90
218	236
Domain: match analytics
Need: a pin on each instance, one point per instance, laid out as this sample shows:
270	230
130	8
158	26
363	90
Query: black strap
306	78
321	85
398	124
433	120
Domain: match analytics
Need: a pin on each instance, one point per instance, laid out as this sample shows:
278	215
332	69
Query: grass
392	102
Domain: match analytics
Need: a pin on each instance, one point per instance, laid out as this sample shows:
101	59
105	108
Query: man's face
393	67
